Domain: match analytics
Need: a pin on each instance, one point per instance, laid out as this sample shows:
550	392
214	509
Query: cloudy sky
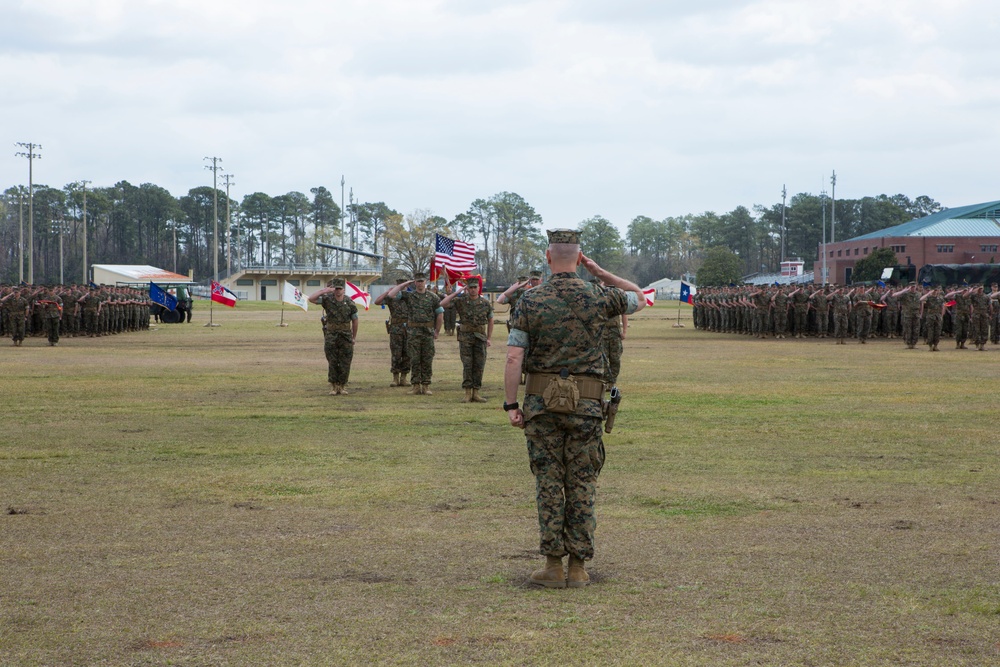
583	107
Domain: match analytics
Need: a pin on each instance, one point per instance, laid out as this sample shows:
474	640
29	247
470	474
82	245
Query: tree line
146	224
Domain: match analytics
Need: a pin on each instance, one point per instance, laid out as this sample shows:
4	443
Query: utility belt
535	383
338	326
471	329
397	320
425	325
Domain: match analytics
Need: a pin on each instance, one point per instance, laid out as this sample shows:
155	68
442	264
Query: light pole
833	207
215	214
31	155
822	196
784	192
20	240
59	225
84	231
229	227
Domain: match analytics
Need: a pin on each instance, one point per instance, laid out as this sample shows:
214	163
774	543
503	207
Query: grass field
192	496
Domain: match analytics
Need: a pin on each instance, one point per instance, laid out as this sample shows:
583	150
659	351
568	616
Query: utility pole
833	207
784	192
84	231
822	196
342	181
20	240
31	155
229	227
215	214
55	225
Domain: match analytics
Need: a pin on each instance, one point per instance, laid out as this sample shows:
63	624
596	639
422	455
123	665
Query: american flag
458	256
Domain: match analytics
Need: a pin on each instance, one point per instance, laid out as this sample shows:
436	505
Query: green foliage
600	241
870	268
721	267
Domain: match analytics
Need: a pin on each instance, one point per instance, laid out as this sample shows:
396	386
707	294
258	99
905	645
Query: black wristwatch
507	407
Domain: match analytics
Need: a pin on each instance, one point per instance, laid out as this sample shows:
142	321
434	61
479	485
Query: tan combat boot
333	389
395	380
550	576
476	398
343	389
578	577
416	389
426	390
468	396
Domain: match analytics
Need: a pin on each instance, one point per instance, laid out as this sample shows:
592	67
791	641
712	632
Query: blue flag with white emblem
158	295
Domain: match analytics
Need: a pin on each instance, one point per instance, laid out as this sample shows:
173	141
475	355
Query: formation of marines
968	313
71	310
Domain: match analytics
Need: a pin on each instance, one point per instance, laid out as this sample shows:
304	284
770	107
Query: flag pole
282	322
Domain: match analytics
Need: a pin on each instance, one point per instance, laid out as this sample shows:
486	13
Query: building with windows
962	235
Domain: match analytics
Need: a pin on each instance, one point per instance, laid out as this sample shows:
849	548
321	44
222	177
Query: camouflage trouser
933	324
911	328
780	322
449	320
52	329
339	353
421	347
613	352
995	327
890	321
840	325
473	354
961	324
864	325
398	349
16	325
822	322
800	321
566	454
980	329
90	321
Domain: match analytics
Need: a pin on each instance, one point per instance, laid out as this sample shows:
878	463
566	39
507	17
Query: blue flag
686	296
158	295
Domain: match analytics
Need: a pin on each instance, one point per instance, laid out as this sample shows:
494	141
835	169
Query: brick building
962	235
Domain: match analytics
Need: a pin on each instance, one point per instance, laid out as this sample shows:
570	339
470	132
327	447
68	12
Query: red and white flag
454	257
222	294
650	295
355	294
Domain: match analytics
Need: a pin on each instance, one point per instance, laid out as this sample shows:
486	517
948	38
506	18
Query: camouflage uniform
841	310
909	316
561	325
962	318
51	307
980	323
450	313
423	310
822	307
780	300
863	308
17	314
613	348
338	340
800	307
932	317
397	336
475	315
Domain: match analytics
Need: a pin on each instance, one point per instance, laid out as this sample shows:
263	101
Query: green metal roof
975	220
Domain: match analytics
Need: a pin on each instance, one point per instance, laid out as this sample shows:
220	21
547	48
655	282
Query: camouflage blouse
475	314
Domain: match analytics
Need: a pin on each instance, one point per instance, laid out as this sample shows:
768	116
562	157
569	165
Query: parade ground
192	495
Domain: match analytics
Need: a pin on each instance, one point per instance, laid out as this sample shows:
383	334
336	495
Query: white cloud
582	106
